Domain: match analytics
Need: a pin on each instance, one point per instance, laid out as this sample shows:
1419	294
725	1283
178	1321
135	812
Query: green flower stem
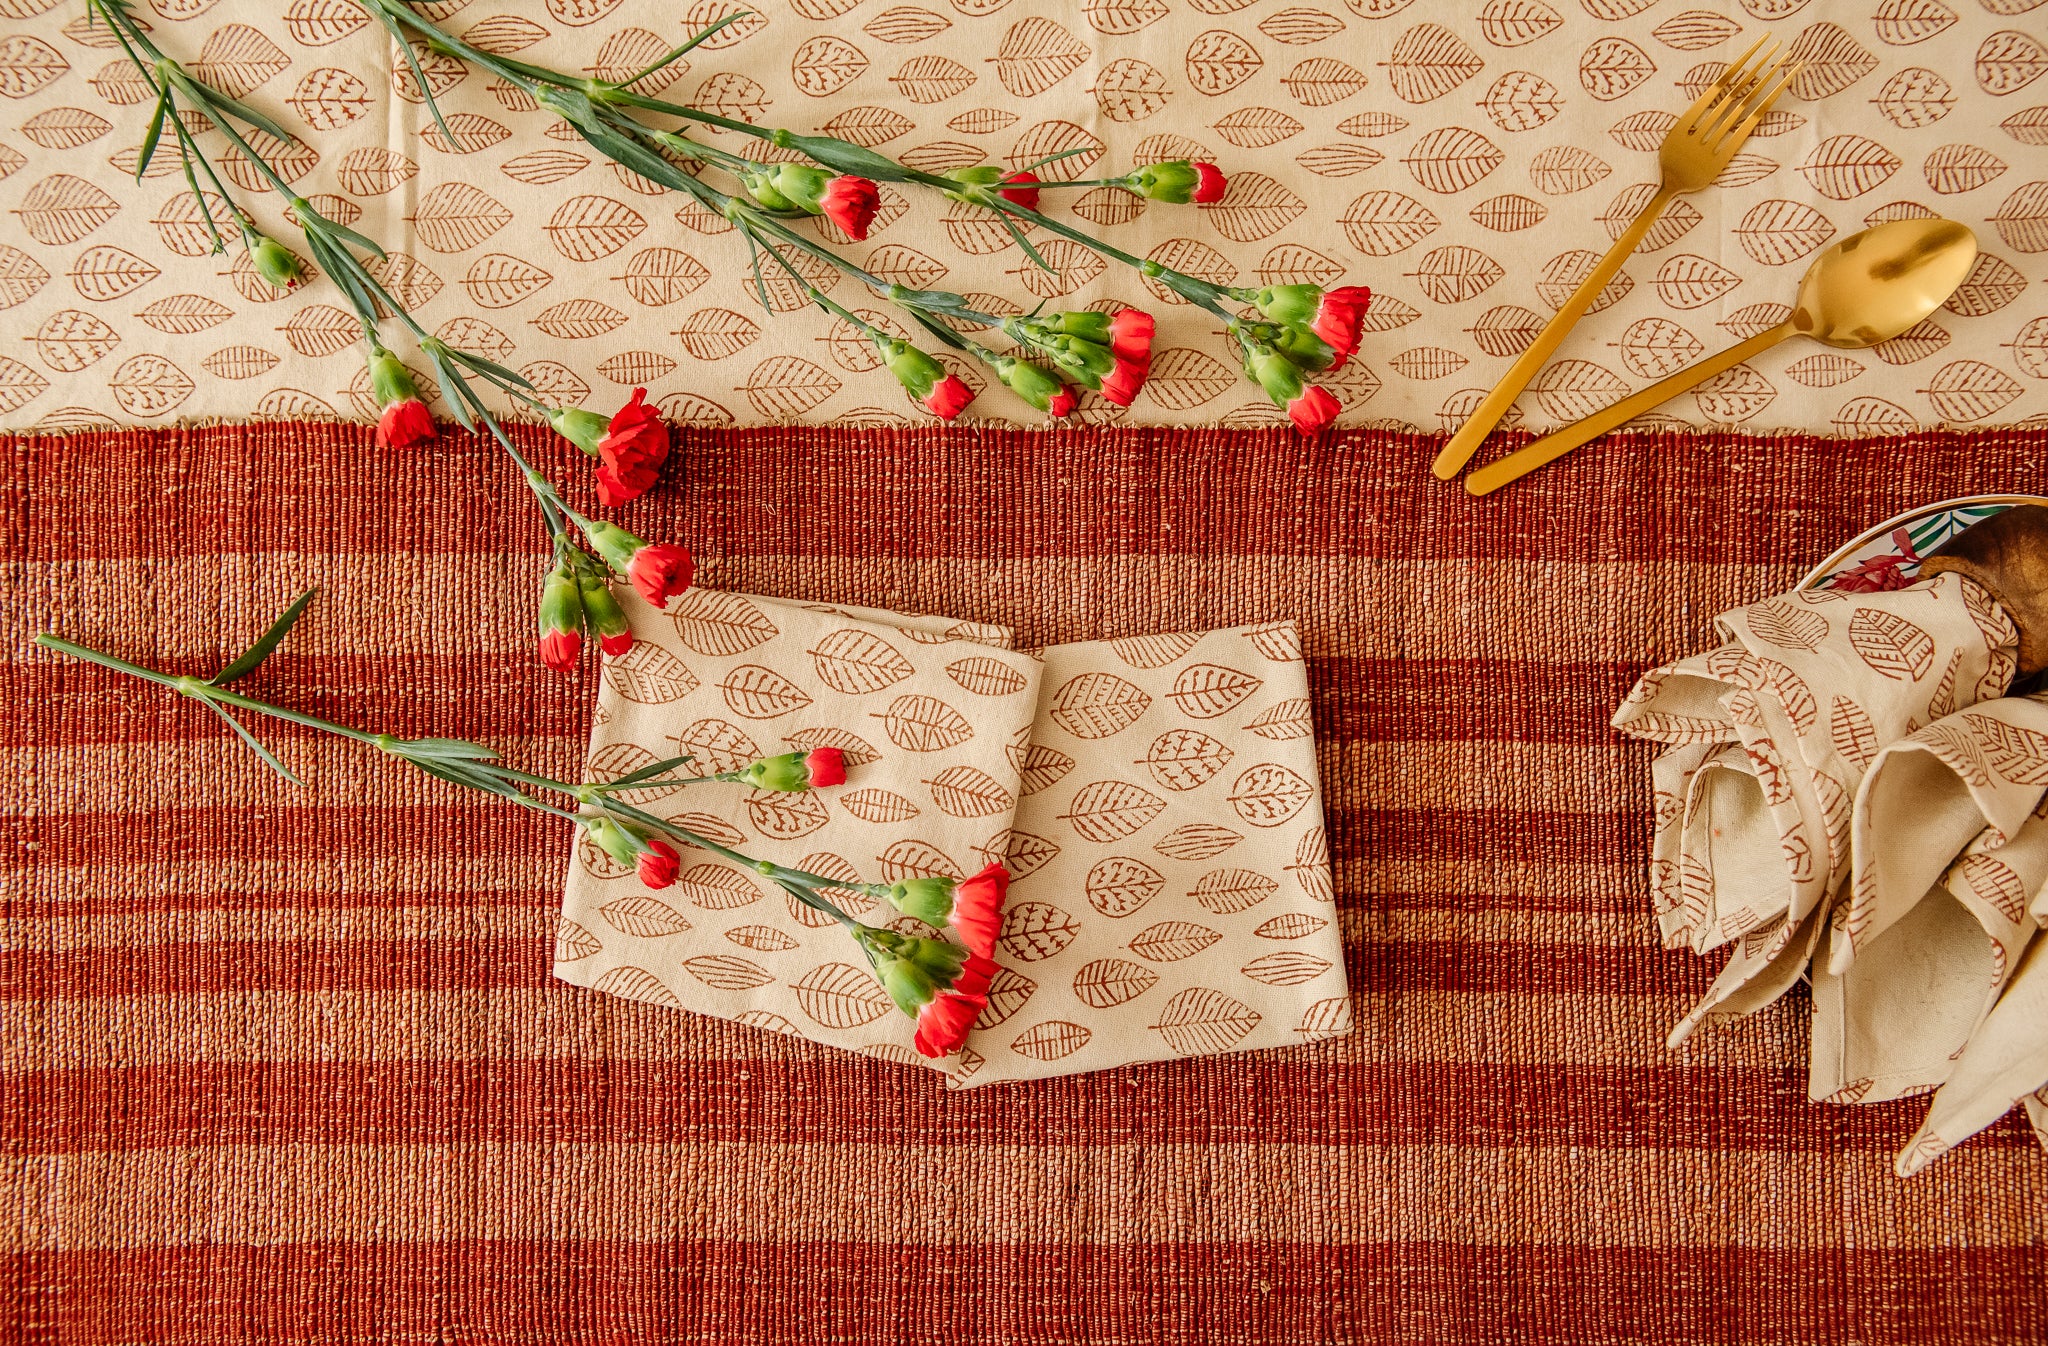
199	689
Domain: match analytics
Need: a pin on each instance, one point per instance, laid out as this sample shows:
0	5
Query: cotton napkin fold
1770	736
929	712
1171	891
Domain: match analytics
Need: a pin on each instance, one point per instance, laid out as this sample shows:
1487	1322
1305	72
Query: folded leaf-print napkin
1753	834
1172	893
1947	851
927	716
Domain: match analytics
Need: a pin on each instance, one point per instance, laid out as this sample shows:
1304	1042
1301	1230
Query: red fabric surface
287	1065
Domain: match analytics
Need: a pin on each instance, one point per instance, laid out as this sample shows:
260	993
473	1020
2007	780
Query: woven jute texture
288	1065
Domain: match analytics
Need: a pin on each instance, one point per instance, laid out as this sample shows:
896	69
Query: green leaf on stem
685	49
419	76
490	369
252	658
324	225
648	772
454	390
846	156
254	746
463	773
155	132
451	749
1037	164
1025	244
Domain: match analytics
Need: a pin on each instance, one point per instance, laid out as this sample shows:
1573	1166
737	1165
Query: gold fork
1693	154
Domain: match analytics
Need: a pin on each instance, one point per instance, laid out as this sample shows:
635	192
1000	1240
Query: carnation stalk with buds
941	983
632	444
1310	338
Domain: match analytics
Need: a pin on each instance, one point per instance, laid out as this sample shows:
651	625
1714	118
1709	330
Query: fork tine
1732	99
1711	97
1759	105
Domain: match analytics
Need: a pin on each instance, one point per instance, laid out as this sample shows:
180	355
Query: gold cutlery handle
1558	443
1496	403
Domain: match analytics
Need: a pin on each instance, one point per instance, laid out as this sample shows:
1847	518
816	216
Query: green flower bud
1085	360
607	619
1296	304
785	772
760	185
1305	348
390	381
276	263
930	900
912	367
1278	375
585	429
613	840
1080	323
1032	384
1173	181
802	185
614	543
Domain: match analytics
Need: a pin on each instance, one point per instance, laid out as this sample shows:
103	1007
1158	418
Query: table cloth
1468	161
289	1064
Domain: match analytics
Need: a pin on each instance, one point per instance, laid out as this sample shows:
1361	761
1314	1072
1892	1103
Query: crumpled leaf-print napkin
1172	893
927	716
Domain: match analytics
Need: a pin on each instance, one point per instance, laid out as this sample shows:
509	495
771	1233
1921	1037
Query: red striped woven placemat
286	1065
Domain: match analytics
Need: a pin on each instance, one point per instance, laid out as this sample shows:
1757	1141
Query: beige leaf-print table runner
1173	894
927	712
1468	160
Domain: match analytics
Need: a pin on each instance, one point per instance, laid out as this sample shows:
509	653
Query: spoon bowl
1874	285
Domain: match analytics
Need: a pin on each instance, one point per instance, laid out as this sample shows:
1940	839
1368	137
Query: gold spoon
1867	288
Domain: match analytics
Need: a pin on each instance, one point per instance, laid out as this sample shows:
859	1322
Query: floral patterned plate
1889	555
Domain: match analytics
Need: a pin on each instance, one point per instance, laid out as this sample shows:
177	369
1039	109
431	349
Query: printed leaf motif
1915	97
1171	941
786	816
1254	128
184	314
719	624
473	132
1289	967
1110	810
62	209
1290	925
1040	767
1255	207
1034	931
1219	60
236	59
1521	100
1185	759
1970	390
1327	1018
878	806
149	385
1021	852
969	792
573	943
1270	794
1823	371
717	887
1830	61
1036	54
1228	891
1199	1021
786	386
713	828
1321	81
1451	158
1613	66
499	280
1561	170
2022	218
1992	283
643	917
1689	281
1961	168
727	972
1097	705
716	333
1451	275
1119	886
2009	61
925	724
855	662
1129	90
1777	232
869	126
1117	18
1845	166
1428	62
454	217
585	228
1008	992
1787	625
716	745
1516	23
1380	224
932	79
765	938
1283	721
1051	1041
1204	691
1153	651
1109	982
1734	395
636	983
1311	867
19	384
984	676
756	692
1196	841
1891	645
840	995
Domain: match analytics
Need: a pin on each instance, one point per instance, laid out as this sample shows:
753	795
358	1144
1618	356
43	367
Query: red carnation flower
1130	335
825	766
657	864
1063	403
850	203
1339	318
660	571
559	649
1121	384
1314	409
948	398
1025	195
978	908
634	447
404	423
1209	184
946	1019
